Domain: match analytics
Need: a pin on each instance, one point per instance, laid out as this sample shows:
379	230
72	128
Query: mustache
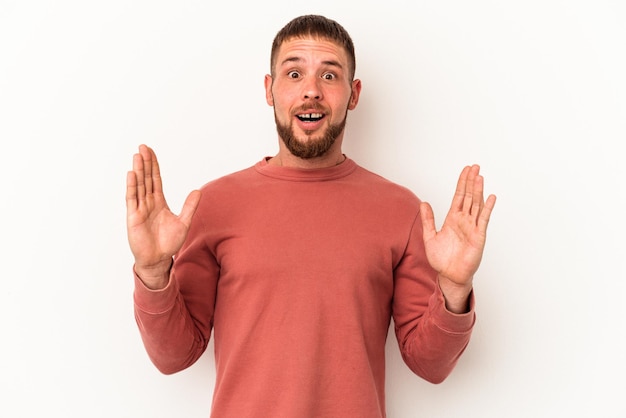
307	106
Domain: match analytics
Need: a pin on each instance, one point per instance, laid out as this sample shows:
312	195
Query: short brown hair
318	27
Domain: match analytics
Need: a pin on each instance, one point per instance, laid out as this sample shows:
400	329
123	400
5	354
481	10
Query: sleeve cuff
449	321
154	301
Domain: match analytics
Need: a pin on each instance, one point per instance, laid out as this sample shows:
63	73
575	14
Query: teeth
311	116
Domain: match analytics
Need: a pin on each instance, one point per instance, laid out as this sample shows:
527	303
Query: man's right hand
155	234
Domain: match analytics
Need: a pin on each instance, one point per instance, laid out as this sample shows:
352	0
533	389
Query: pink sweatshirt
298	274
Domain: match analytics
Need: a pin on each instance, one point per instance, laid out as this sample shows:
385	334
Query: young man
298	264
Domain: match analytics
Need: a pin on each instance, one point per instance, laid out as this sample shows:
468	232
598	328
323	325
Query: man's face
311	93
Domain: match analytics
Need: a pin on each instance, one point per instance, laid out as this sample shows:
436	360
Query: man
298	264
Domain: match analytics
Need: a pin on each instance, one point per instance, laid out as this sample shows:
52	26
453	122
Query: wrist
456	296
154	277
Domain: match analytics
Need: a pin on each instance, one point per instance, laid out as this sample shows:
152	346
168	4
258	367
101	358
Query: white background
534	91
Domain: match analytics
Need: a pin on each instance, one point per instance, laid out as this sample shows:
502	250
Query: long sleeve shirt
298	275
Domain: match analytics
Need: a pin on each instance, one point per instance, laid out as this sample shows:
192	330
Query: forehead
311	50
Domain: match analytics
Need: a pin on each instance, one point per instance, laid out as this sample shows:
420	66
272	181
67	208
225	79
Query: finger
147	156
157	184
428	221
468	196
485	214
131	192
140	177
477	197
459	193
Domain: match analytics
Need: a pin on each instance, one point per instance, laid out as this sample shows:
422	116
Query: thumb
428	221
189	207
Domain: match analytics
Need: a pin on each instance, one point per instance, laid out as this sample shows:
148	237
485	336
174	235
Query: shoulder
226	190
382	187
229	179
230	182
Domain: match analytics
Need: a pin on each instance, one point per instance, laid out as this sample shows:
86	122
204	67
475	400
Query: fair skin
312	77
310	91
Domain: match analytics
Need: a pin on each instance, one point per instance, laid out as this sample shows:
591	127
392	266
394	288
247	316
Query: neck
284	158
292	161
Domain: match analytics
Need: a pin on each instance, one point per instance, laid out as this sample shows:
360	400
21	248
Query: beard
312	147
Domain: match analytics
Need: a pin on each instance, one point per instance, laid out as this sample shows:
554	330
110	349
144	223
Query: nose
311	90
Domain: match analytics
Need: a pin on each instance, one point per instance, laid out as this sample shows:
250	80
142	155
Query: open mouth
310	117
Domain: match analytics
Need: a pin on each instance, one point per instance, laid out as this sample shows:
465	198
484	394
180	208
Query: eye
329	76
293	74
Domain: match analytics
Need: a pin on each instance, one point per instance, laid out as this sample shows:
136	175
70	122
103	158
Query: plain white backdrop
533	91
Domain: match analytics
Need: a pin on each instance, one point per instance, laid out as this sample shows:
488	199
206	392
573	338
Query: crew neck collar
305	174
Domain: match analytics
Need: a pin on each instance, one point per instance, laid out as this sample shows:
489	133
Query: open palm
456	250
155	234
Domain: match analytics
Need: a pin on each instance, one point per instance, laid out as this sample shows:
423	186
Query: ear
356	92
269	97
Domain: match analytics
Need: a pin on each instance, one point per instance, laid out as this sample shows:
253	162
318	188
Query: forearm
169	334
432	343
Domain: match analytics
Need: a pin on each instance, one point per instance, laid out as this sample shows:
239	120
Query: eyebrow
331	63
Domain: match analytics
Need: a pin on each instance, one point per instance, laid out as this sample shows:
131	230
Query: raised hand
155	234
455	251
